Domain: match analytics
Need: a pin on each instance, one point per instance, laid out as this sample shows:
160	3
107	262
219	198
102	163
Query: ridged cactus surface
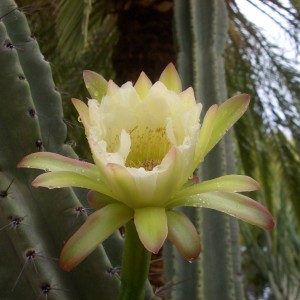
35	223
201	34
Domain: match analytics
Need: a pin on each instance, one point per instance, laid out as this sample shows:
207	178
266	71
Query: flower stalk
135	265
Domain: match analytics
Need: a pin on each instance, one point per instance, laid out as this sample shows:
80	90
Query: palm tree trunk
145	41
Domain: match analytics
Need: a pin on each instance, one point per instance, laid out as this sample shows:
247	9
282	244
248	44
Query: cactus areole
146	141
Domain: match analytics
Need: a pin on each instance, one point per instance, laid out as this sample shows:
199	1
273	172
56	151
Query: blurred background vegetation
120	38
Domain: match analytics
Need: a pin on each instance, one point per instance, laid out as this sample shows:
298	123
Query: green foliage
276	260
77	20
268	146
271	126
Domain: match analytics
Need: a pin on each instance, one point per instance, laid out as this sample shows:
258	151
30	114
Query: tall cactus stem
201	27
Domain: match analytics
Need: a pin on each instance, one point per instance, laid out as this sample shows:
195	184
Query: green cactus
201	33
35	223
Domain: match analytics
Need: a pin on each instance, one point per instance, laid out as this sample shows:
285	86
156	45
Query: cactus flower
146	141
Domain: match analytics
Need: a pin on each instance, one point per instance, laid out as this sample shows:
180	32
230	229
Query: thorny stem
135	266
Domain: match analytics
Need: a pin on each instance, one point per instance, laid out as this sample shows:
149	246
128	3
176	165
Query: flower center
148	147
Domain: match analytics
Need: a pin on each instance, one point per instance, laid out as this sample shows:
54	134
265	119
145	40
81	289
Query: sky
277	36
273	32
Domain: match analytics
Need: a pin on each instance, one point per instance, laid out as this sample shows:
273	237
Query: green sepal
98	200
95	84
49	162
98	226
227	183
236	205
62	179
183	234
228	113
152	228
205	134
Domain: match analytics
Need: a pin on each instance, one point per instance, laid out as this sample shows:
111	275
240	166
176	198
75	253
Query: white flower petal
125	143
